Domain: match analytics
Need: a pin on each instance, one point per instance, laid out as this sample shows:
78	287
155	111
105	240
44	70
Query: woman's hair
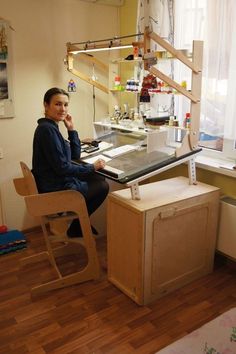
53	91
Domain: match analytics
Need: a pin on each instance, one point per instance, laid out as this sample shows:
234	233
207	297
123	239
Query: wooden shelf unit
190	141
125	69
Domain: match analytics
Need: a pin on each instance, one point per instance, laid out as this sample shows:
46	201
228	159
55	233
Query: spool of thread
135	52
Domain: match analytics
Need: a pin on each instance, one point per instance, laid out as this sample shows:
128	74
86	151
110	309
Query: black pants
98	189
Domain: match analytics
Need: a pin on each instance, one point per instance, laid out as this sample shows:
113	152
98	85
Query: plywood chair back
25	185
50	207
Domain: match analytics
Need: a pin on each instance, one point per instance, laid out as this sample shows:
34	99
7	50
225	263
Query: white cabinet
226	241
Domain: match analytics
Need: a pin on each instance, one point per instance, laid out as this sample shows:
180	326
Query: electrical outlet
1	153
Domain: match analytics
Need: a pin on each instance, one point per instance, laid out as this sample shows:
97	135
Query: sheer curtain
230	111
214	22
158	15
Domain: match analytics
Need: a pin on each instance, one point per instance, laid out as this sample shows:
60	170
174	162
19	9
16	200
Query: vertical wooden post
146	45
196	92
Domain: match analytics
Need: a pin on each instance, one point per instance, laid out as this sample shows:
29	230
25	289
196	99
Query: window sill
224	167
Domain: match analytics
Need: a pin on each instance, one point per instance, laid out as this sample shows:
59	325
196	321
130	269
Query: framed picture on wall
6	94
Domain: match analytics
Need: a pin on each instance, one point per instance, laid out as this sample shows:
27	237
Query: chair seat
62	216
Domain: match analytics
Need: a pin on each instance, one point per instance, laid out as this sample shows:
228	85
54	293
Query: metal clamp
135	191
192	171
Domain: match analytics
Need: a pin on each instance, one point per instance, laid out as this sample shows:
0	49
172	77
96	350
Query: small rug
215	337
12	241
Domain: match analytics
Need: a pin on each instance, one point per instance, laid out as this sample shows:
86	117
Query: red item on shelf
3	228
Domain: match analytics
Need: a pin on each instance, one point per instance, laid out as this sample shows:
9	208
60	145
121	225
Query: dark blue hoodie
52	154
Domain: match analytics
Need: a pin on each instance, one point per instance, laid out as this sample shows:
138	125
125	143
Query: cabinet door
180	239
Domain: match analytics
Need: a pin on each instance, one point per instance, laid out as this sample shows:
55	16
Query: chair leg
51	257
34	258
88	273
67	249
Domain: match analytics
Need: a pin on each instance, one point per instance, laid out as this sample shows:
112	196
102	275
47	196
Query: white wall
42	29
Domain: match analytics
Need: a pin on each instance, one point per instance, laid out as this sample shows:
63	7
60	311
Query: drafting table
135	166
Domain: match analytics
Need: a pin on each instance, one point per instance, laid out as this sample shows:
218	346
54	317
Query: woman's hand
99	164
68	121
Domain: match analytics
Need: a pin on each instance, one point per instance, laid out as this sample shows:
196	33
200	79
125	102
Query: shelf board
124	91
122	60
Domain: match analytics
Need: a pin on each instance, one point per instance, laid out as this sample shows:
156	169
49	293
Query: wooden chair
56	209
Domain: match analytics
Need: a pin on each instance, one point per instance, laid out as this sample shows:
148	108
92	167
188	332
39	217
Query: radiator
226	241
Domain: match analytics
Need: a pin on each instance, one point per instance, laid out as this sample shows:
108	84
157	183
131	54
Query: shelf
166	55
122	60
123	91
166	93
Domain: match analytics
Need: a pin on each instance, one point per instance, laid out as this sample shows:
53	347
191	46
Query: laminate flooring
95	317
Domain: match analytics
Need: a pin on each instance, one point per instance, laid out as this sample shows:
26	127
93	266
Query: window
213	22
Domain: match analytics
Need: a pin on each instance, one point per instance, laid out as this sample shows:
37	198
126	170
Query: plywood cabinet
163	241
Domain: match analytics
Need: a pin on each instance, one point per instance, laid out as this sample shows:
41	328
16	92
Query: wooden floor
95	317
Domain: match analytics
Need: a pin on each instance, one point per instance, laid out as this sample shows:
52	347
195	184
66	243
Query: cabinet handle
167	213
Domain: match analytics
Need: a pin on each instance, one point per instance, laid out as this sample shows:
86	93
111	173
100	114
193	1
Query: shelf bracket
175	52
70	68
173	84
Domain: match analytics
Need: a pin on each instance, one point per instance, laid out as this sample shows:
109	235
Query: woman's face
57	109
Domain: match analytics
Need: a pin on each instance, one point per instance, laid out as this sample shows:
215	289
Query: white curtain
214	22
158	16
155	14
230	110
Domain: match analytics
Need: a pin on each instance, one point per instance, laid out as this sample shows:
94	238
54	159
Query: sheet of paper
156	140
97	157
103	145
113	170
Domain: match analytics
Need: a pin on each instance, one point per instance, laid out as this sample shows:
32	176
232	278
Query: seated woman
52	155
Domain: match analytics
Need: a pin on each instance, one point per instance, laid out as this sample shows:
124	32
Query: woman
52	155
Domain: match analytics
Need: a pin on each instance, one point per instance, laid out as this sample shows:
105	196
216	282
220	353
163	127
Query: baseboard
33	229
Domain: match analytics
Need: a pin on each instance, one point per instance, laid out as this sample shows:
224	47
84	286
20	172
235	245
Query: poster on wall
6	96
3	81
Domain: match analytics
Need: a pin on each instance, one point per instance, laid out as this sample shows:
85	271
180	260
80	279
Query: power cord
94	104
94	97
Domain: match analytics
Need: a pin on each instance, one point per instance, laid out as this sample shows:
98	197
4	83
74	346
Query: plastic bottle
117	82
188	120
136	85
132	85
171	121
184	84
175	122
128	85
